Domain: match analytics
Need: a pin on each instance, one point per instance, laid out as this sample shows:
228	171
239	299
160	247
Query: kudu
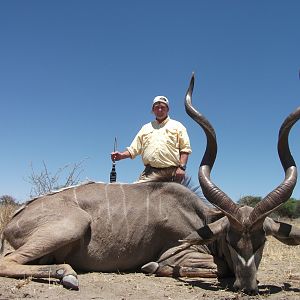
123	227
244	229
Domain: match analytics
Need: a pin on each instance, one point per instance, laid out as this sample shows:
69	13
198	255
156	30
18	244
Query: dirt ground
279	277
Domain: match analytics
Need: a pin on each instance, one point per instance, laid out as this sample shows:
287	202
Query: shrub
289	209
44	181
7	200
249	200
8	205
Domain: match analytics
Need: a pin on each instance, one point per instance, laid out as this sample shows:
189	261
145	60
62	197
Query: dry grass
283	259
6	211
278	251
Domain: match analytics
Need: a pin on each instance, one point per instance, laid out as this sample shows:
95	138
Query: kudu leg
180	271
44	242
61	271
184	261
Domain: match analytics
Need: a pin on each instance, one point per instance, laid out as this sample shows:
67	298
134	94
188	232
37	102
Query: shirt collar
164	122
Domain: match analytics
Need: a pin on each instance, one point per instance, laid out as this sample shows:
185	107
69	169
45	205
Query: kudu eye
255	243
258	243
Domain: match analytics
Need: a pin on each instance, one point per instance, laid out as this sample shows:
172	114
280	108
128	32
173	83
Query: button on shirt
160	144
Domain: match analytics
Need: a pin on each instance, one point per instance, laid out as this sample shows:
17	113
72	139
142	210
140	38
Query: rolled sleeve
184	141
136	146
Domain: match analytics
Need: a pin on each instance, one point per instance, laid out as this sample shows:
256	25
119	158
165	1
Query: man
163	144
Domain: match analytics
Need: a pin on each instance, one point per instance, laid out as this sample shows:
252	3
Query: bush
249	200
298	209
8	205
7	200
44	182
289	209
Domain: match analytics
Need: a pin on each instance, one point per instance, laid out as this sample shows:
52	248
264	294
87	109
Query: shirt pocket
146	139
172	137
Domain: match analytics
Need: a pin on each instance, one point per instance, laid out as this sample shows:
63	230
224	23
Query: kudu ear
285	233
208	233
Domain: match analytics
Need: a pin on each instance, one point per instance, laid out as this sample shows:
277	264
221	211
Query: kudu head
243	230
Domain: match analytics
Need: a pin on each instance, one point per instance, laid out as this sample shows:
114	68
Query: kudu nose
249	289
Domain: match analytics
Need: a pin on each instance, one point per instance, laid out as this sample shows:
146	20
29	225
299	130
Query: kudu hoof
150	268
70	282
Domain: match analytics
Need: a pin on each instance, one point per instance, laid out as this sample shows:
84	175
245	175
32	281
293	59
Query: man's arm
184	156
130	152
180	172
115	156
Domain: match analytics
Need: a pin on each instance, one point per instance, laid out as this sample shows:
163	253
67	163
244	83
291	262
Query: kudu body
123	227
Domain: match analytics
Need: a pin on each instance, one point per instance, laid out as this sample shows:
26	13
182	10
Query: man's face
160	110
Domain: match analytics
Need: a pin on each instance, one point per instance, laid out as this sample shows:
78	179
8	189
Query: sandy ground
279	277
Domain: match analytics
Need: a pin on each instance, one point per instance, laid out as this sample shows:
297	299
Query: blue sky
75	74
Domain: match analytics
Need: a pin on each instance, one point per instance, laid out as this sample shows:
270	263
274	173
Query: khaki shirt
160	144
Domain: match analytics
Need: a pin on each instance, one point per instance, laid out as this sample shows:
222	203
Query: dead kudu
124	227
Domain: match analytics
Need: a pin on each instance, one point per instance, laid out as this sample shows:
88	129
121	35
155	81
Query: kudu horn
217	197
212	193
283	192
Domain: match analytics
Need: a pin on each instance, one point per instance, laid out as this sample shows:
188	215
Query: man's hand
115	156
179	175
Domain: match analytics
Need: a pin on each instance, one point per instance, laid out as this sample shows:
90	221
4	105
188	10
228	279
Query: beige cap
162	99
